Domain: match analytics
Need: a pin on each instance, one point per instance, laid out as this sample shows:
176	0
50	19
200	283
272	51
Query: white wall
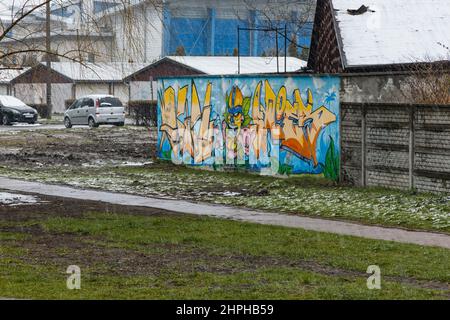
31	93
3	89
36	93
154	31
60	93
120	91
138	38
142	90
84	89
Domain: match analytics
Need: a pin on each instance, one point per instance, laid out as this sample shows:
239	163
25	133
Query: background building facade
149	30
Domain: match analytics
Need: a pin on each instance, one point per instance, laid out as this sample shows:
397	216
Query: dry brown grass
430	83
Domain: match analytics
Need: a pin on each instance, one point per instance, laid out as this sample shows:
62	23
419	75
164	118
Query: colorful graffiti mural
286	125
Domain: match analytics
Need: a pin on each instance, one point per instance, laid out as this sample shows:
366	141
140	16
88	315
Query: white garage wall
121	91
141	90
60	93
3	89
36	93
31	93
84	89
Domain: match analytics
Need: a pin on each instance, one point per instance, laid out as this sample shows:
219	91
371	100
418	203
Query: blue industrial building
207	27
212	30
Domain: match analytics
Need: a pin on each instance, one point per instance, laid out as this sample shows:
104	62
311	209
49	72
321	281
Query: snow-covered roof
394	31
119	6
7	75
97	72
229	65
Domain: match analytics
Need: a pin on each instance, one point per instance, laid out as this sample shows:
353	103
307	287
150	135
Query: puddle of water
12	199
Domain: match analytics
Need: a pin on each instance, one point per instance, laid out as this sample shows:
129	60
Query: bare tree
85	35
23	35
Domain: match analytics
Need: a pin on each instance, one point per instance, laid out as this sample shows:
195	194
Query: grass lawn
305	195
137	255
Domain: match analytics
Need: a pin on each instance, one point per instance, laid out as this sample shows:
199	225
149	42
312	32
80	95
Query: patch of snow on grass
102	163
135	164
23	124
231	194
11	199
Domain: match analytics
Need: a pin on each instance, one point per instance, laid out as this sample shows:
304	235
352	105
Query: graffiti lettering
261	129
299	125
182	133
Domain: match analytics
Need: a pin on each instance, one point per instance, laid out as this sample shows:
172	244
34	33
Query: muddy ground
123	160
77	147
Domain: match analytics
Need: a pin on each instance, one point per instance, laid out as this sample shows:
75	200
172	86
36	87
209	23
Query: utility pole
48	61
276	30
285	48
276	43
239	49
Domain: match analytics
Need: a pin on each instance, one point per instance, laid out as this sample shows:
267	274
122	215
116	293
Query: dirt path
314	224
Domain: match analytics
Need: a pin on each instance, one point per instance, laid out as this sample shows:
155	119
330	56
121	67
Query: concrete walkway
240	214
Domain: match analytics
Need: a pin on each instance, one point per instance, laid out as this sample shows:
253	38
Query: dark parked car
14	110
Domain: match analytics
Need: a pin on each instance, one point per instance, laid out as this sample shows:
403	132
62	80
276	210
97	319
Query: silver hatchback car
95	110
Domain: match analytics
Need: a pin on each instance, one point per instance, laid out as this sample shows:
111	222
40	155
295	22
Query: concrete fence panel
396	145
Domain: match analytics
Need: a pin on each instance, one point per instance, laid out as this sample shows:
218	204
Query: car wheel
67	123
120	124
5	120
92	123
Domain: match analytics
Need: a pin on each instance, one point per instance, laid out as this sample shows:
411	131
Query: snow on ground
135	164
231	194
12	199
21	124
102	163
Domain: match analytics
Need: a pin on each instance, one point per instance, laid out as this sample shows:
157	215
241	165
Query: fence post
341	116
363	145
412	112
